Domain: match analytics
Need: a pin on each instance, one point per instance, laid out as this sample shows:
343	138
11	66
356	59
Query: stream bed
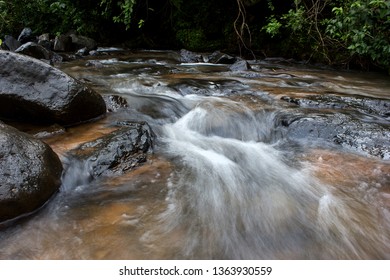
281	161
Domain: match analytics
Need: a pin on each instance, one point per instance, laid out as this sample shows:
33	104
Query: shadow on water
227	179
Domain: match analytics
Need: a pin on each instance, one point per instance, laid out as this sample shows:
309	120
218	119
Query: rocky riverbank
32	92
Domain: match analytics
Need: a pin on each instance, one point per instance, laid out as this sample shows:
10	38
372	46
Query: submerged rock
117	152
30	173
365	105
33	91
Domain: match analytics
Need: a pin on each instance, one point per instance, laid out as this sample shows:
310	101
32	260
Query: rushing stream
230	176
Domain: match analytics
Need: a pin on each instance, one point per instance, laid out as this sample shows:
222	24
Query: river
230	176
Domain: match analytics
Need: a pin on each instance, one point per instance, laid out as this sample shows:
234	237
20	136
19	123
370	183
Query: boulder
221	58
240	65
11	43
63	43
26	36
44	37
30	173
117	152
80	42
44	41
187	56
33	91
39	52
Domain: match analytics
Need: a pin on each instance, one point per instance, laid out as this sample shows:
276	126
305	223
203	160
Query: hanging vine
241	28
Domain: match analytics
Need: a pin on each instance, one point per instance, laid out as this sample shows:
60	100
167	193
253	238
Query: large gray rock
30	173
33	91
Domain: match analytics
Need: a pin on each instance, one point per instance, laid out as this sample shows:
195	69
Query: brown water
224	181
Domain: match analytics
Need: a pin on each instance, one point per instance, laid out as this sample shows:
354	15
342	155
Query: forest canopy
343	33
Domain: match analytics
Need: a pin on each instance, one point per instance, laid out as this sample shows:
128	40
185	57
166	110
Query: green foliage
126	7
272	27
3	15
176	3
141	23
201	25
295	19
125	11
332	31
296	29
336	31
363	27
49	16
193	39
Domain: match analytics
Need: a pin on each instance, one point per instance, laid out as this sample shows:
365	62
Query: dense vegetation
345	33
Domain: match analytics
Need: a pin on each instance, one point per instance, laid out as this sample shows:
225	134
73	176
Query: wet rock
95	53
11	43
115	102
44	37
39	52
221	58
44	41
118	152
81	42
240	65
26	36
34	50
195	87
187	56
210	88
33	91
353	134
365	105
94	63
63	43
82	52
30	173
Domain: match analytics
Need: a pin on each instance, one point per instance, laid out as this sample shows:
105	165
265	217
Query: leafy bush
338	32
363	28
50	16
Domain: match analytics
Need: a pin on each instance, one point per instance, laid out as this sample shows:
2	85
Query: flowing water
225	180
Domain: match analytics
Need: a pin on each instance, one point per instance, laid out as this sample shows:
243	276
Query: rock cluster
34	92
49	48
